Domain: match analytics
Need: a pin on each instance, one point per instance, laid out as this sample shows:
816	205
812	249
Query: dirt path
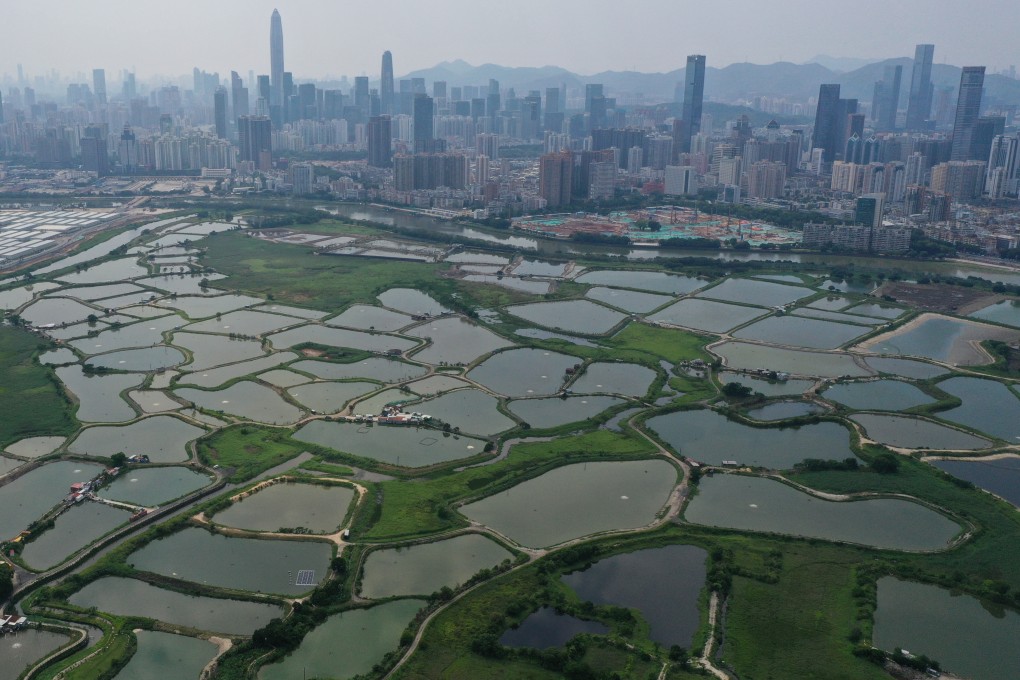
705	661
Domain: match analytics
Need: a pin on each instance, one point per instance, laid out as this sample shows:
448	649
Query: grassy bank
31	402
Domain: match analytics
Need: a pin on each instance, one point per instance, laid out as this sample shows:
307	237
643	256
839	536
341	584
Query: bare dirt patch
937	297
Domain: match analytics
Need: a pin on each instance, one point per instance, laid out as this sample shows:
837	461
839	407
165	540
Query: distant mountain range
730	83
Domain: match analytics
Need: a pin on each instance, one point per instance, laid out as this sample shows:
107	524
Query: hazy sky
330	37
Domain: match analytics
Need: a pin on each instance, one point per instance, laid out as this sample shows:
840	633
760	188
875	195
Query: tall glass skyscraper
276	59
386	85
921	89
968	107
694	94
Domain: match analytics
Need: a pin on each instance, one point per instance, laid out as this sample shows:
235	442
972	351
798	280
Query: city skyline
325	41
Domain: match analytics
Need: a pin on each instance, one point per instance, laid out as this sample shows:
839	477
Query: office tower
127	150
239	95
288	85
2	120
386	84
553	113
836	120
128	88
380	134
868	211
456	94
361	94
681	180
886	98
264	88
94	155
423	123
439	90
492	100
555	178
332	104
220	112
477	108
254	141
694	94
592	90
921	88
276	97
986	129
99	85
968	105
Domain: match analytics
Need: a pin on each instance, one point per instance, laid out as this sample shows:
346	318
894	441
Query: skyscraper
968	105
423	123
276	59
887	98
694	93
379	137
921	88
386	85
826	124
361	95
239	95
254	141
220	112
99	85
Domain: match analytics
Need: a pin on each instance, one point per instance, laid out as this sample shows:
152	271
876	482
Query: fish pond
656	282
782	410
988	406
664	584
402	446
710	437
314	507
154	486
158	652
577	500
546	628
245	399
425	568
801	332
758	504
375	368
163	438
347	644
628	300
131	597
28	497
74	529
523	372
370	317
19	651
269	566
556	411
706	315
455	341
747	356
971	638
572	316
1000	476
751	292
915	433
330	397
632	380
877	395
471	410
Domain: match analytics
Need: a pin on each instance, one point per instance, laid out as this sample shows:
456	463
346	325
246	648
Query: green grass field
31	402
293	274
248	449
672	345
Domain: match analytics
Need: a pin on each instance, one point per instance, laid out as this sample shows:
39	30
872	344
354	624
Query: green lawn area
248	449
419	507
798	627
31	402
292	274
669	344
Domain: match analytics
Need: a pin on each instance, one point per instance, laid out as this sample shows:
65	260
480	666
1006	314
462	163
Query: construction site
649	226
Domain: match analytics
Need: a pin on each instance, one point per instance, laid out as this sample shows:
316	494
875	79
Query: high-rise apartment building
555	178
220	112
968	106
255	141
276	96
423	117
921	88
836	120
386	84
694	93
380	135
